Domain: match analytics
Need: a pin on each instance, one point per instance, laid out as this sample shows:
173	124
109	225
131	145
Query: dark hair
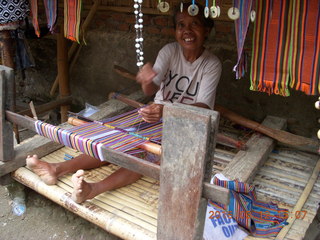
207	22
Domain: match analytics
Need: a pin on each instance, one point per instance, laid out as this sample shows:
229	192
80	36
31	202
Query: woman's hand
151	113
144	77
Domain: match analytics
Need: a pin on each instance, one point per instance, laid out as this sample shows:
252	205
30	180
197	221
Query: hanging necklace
138	27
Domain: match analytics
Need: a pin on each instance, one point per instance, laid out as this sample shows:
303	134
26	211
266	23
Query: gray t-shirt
185	82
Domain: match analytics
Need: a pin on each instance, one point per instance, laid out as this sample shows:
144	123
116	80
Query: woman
184	72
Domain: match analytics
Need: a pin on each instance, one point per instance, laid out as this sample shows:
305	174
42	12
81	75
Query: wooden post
63	72
188	146
6	102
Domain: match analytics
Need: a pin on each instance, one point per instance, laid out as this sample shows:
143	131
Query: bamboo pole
303	198
63	73
72	57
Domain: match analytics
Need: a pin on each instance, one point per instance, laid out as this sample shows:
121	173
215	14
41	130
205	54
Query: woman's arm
145	77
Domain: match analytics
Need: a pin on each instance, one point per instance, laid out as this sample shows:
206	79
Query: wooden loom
131	212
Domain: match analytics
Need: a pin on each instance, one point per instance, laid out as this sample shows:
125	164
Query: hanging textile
259	218
271	45
305	45
286	47
51	7
34	12
72	17
241	28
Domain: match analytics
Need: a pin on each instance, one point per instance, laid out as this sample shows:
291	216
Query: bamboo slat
131	212
111	211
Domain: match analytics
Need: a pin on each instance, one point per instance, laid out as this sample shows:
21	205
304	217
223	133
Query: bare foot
43	169
82	190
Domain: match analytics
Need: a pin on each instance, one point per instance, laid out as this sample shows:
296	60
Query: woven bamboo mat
129	212
281	180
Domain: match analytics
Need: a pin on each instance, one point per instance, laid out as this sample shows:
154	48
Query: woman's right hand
145	77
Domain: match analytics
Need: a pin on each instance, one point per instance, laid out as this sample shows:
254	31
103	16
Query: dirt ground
44	220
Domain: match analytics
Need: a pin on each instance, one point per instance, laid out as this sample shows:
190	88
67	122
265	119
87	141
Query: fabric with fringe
286	46
72	17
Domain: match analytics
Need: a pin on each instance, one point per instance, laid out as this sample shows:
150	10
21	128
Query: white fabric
219	225
185	82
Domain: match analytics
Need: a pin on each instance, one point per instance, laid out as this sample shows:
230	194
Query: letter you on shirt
180	89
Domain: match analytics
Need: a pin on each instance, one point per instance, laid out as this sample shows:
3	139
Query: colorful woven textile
92	137
261	219
51	7
305	46
34	12
72	12
286	47
241	27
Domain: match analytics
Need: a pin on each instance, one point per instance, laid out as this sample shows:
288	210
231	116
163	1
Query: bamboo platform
131	212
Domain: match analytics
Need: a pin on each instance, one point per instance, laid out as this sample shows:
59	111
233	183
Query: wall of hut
110	41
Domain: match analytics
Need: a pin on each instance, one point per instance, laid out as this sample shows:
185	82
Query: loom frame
202	154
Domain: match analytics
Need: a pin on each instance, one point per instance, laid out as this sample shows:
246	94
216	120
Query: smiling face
190	33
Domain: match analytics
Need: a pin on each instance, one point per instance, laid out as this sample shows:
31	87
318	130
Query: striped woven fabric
241	27
132	122
286	47
305	57
72	17
92	137
34	13
260	219
51	7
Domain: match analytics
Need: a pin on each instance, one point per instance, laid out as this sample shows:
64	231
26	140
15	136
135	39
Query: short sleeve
209	82
162	63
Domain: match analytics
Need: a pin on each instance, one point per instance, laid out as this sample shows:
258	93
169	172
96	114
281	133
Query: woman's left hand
151	113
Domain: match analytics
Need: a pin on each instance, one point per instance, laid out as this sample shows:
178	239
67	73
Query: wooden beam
245	164
6	102
48	106
187	154
20	120
215	193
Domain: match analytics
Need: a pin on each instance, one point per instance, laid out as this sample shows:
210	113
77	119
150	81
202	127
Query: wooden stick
299	142
221	138
33	110
47	106
303	197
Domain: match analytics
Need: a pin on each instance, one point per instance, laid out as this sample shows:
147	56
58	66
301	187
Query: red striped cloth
305	60
286	47
34	13
72	17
